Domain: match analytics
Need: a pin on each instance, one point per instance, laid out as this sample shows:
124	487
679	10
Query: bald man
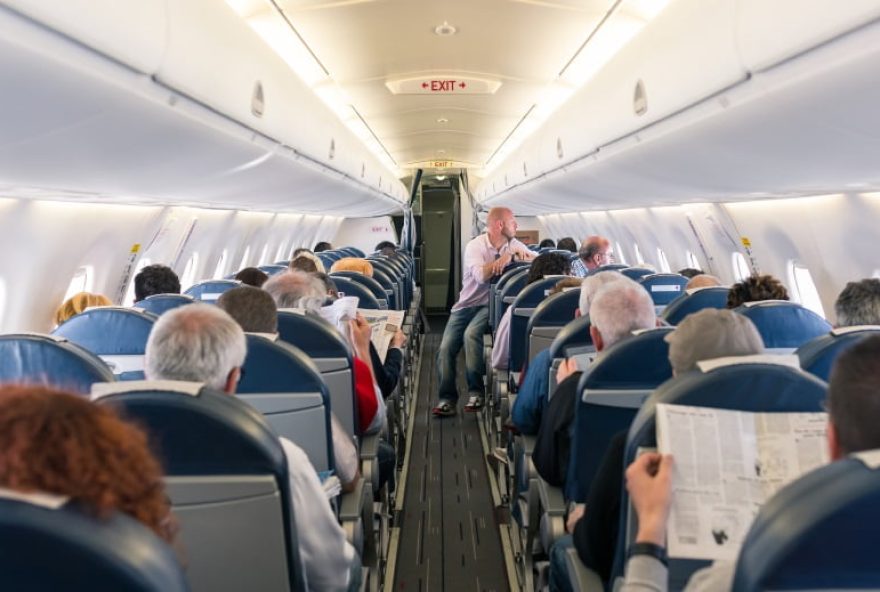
595	252
484	257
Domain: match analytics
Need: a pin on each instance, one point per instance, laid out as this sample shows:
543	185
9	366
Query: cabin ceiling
362	44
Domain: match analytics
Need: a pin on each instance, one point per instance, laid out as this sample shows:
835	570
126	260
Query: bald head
703	280
595	251
498	214
500	225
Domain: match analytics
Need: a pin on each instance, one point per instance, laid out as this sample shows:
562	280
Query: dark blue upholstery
636	273
210	290
783	324
283	263
326	259
349	287
819	532
333	256
523	306
162	303
117	335
496	284
678	309
664	287
355	252
505	295
612	267
404	283
549	317
372	285
612	392
817	355
277	367
392	288
52	361
271	270
575	334
45	550
754	386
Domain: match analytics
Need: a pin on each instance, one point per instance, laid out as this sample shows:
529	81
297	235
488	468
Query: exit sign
443	85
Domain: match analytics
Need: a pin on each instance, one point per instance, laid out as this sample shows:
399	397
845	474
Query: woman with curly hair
55	442
756	288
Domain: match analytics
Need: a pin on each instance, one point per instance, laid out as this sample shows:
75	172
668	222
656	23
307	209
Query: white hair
592	284
620	308
197	343
296	289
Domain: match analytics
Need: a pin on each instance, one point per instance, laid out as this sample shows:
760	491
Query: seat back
210	290
115	334
819	532
348	287
496	285
273	269
331	354
391	287
228	481
663	288
573	340
784	326
611	393
553	313
369	283
749	383
162	303
817	355
505	295
635	273
619	267
30	358
50	547
353	252
280	381
524	306
694	300
403	284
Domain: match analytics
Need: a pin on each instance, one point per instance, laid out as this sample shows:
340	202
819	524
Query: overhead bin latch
640	99
257	102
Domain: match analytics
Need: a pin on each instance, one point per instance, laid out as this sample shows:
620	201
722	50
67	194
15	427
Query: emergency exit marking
443	85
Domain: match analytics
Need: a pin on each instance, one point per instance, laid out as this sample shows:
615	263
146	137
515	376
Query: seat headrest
162	303
31	358
42	499
637	362
312	334
556	310
210	290
663	287
105	389
574	334
110	330
784	324
791	361
278	367
693	301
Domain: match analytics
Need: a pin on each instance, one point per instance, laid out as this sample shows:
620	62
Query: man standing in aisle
484	257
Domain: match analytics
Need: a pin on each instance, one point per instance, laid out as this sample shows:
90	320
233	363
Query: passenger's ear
597	338
834	449
232	380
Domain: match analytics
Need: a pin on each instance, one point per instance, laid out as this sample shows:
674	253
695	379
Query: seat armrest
581	577
350	503
552	499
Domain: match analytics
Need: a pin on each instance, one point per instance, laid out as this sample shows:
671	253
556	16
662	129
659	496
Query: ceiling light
442	120
440	177
445	30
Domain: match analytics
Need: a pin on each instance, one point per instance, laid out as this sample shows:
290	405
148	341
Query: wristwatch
650	549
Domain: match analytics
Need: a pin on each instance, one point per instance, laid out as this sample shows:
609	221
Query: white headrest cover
791	361
104	389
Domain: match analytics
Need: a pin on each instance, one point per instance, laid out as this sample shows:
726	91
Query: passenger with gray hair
201	343
859	303
296	289
711	333
595	252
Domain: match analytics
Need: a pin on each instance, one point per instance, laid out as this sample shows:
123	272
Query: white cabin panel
365	233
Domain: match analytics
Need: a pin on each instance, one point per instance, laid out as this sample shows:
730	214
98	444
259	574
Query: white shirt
478	252
326	555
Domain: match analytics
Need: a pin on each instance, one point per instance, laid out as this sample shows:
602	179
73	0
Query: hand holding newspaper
727	465
340	313
385	323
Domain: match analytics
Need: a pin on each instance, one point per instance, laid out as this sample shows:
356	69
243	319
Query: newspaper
727	464
340	313
385	323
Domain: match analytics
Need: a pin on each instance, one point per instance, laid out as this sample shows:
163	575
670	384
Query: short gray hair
592	284
197	343
620	308
859	303
296	289
711	333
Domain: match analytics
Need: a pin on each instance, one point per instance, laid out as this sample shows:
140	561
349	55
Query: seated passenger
201	343
542	266
702	280
617	310
859	303
567	244
57	443
329	285
754	289
307	262
703	335
854	413
251	276
78	303
547	242
386	248
299	251
254	310
689	272
155	279
355	264
595	252
531	399
322	246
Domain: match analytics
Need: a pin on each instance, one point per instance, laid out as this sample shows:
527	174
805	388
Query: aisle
448	538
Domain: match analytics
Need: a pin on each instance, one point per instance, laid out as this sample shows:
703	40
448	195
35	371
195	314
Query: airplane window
189	272
264	258
244	259
805	292
221	266
692	260
2	299
282	248
618	254
664	262
740	268
876	273
81	282
129	294
640	260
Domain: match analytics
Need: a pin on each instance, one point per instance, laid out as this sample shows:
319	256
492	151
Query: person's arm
345	455
501	347
480	269
532	397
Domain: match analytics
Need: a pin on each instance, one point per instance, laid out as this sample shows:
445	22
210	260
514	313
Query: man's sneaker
444	409
475	403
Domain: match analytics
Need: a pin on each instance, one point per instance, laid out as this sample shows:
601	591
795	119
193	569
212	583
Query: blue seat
331	354
228	481
619	267
67	548
549	318
635	273
819	532
210	290
28	358
391	287
612	391
523	306
751	383
274	269
506	294
573	340
496	284
280	381
117	335
403	284
663	288
326	259
283	263
159	304
355	252
817	355
348	287
784	326
693	301
369	283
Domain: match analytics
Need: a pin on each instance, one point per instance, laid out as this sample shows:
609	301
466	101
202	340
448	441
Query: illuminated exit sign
443	85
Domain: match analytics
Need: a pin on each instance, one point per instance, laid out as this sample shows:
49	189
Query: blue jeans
559	577
465	327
